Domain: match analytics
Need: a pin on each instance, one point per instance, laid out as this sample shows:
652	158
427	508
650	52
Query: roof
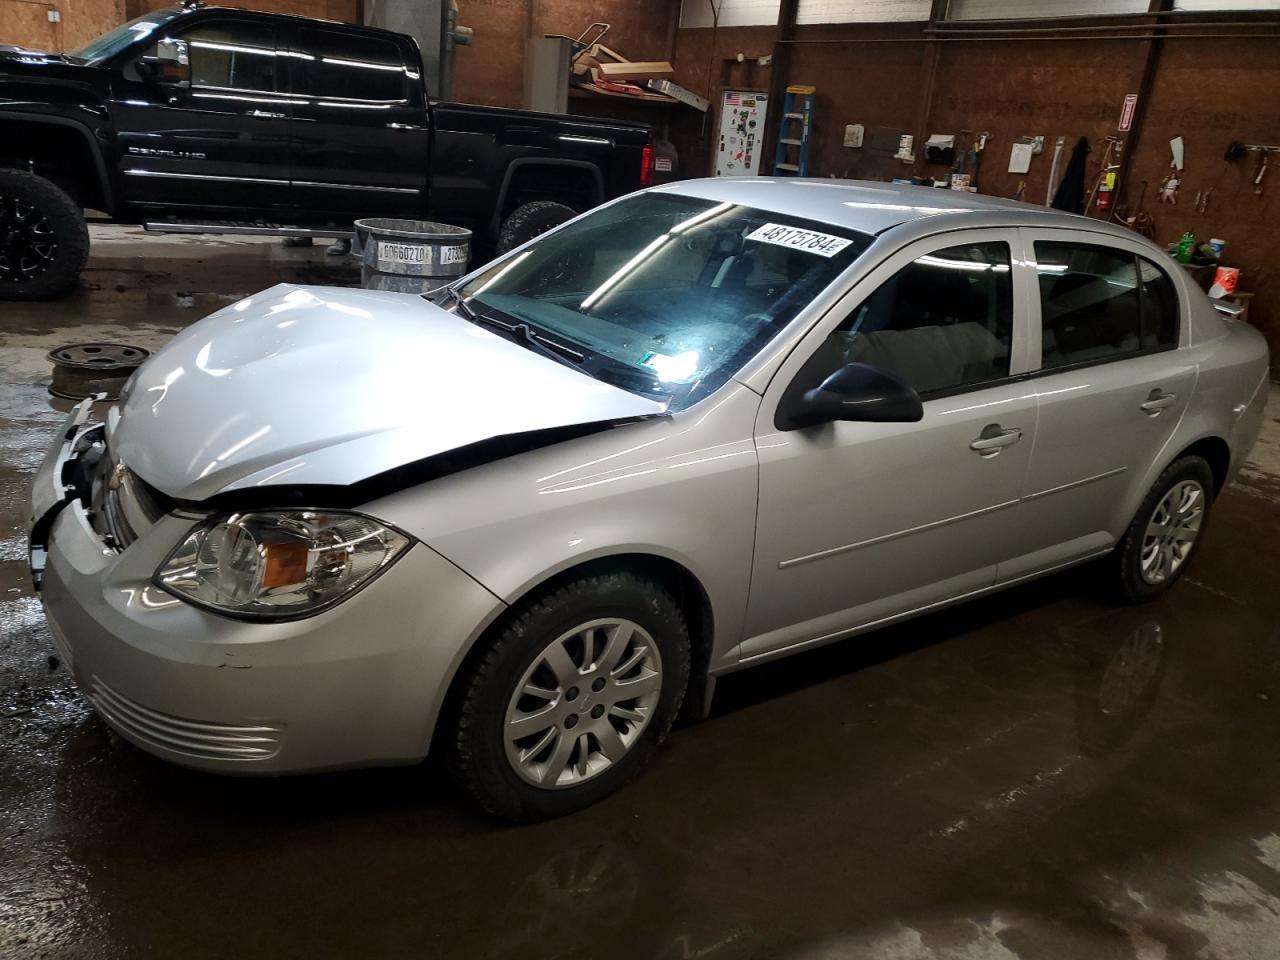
871	206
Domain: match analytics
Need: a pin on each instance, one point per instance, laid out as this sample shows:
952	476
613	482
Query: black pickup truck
218	120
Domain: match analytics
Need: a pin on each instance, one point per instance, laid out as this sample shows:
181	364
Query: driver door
222	141
861	522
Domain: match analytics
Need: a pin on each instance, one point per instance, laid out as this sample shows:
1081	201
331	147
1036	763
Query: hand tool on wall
1262	172
1173	179
1053	170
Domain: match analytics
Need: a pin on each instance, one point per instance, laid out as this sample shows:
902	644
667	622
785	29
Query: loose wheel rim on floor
583	704
1172	531
27	243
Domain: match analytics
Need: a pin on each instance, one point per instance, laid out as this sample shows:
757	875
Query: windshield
667	296
112	42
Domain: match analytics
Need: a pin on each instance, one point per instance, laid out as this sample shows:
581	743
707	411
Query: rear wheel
1164	535
531	220
44	242
572	697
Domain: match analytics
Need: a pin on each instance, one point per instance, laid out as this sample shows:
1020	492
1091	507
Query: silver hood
317	385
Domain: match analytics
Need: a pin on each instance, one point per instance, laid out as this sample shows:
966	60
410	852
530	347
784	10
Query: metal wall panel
1222	6
1010	9
733	13
861	11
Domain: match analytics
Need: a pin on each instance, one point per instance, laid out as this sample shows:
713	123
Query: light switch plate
55	16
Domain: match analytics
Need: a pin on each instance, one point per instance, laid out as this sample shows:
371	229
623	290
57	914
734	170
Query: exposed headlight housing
279	564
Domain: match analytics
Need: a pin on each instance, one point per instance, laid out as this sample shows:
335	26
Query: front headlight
278	563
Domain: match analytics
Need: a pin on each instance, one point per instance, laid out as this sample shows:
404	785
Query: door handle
403	126
995	438
1157	401
266	114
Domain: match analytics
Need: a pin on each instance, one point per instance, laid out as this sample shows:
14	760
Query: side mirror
854	392
170	66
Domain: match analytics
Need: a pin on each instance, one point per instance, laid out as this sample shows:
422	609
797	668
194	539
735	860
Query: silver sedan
524	520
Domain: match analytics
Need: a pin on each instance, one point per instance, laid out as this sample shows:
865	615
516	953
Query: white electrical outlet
55	16
853	135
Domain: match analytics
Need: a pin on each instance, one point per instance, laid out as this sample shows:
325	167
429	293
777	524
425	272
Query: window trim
280	74
302	72
1087	237
871	281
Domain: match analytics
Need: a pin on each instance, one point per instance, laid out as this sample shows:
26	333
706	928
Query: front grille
121	505
193	738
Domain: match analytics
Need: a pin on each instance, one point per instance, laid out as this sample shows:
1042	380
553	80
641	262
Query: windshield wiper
535	340
460	301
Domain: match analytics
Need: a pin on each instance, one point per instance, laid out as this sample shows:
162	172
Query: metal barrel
410	256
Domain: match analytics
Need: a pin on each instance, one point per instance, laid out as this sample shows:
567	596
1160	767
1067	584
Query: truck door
221	143
361	139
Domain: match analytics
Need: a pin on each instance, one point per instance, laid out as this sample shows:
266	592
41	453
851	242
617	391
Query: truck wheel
530	220
571	698
44	241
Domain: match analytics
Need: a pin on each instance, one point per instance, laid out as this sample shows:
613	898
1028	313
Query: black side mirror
854	392
170	66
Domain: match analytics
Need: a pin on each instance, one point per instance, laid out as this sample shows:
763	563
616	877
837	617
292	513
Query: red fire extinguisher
1106	188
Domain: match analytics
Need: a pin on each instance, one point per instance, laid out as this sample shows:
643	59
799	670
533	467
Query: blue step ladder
791	156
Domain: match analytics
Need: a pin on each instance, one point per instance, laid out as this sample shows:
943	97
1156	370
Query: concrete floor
1036	775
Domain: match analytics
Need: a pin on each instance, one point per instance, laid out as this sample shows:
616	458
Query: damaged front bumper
356	685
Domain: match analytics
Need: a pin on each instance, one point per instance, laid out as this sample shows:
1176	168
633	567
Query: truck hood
301	386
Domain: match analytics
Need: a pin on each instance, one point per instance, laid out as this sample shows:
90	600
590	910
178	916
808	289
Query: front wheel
1160	542
572	697
44	242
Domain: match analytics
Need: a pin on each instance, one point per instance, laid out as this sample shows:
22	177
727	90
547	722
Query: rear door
361	137
223	143
1111	388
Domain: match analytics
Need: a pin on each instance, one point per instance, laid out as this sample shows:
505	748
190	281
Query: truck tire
44	241
530	220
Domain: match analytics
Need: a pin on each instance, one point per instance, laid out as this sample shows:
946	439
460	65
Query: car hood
323	386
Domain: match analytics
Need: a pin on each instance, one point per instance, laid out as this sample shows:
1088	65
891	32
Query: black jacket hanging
1070	194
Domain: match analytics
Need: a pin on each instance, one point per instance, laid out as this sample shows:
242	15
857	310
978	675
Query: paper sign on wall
742	115
1126	112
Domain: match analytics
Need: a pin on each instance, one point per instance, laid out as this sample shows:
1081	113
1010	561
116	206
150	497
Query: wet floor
1035	775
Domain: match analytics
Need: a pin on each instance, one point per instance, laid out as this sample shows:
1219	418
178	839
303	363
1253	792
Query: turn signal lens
278	564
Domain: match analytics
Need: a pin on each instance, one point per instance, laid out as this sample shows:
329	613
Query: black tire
44	241
530	220
1126	575
476	743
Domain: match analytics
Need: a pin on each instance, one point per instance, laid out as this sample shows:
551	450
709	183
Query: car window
1160	313
234	56
1090	308
943	322
342	66
669	295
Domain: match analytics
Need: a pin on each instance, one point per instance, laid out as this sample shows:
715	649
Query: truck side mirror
170	66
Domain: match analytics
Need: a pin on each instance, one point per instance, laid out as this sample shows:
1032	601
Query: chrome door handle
1157	401
995	438
266	114
403	126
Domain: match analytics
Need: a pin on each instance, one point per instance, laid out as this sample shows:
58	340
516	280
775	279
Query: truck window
350	67
234	56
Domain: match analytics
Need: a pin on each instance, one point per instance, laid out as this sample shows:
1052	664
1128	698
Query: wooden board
27	25
638	70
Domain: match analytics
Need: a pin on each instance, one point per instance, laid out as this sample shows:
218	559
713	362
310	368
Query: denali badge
175	154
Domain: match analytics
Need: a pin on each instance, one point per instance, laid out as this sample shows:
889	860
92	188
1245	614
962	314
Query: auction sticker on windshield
810	241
